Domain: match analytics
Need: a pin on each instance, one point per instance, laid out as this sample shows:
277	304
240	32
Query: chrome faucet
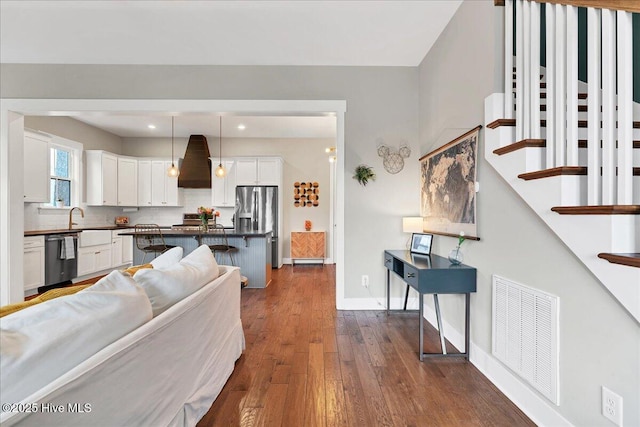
71	224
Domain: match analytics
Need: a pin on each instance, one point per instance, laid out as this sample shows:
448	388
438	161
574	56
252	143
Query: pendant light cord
220	140
172	163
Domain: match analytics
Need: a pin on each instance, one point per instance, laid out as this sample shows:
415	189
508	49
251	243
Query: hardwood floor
307	364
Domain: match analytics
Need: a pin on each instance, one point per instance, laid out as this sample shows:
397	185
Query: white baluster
625	108
608	106
560	90
572	85
535	70
593	106
550	77
526	70
508	59
519	71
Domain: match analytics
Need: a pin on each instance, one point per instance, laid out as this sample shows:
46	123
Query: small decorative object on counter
122	220
205	215
455	256
363	174
60	203
307	225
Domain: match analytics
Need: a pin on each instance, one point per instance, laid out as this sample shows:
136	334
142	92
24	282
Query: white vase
455	256
60	203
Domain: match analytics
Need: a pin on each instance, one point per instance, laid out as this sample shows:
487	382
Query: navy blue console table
435	275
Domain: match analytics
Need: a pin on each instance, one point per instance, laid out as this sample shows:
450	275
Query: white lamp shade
412	224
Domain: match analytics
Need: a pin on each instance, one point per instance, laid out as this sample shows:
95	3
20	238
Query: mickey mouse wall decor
393	160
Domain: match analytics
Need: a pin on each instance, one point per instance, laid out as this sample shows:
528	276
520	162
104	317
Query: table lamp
411	224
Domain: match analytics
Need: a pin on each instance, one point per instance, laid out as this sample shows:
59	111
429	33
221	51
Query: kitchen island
253	255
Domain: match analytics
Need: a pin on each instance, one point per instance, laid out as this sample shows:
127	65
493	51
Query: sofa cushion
166	286
51	294
40	344
167	258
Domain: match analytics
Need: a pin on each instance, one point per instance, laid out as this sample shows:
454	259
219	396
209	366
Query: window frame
75	150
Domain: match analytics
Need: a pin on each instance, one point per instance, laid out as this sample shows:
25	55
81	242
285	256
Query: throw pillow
167	286
168	258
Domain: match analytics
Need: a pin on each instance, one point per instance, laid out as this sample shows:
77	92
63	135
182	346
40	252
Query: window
60	183
65	164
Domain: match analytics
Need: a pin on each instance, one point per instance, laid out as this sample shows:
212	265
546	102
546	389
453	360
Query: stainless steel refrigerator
257	209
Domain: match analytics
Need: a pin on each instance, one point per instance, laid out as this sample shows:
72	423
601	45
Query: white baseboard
375	303
527	400
310	261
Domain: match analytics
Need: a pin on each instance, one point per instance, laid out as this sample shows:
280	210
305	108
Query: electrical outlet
365	281
612	406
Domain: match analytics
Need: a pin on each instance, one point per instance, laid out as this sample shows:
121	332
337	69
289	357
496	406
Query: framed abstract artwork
448	187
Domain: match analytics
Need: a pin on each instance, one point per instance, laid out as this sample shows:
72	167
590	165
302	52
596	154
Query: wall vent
525	334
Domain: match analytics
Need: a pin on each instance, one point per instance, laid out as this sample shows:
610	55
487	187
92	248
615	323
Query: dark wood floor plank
307	364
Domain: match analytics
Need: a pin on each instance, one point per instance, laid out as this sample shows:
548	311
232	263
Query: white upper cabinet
259	171
155	187
127	181
102	178
36	168
144	182
114	180
224	189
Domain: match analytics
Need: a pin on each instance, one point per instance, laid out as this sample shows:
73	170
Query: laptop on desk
421	248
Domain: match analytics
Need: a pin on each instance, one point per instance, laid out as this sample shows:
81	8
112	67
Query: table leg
388	286
421	310
439	319
467	323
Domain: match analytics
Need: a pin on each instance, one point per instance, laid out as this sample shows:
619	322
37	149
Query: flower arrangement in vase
206	214
455	256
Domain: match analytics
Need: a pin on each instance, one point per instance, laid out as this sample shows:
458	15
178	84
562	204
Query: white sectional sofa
164	370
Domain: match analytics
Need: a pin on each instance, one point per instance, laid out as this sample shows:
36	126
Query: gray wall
92	138
382	102
599	341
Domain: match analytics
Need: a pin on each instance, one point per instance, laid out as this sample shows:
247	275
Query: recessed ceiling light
241	127
151	126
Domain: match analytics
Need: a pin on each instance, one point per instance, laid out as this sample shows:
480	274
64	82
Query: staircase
571	149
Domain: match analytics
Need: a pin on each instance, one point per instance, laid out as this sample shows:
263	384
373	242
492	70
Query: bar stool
149	239
218	242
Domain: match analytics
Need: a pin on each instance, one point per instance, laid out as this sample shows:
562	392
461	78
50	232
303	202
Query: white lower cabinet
94	251
94	258
33	262
121	248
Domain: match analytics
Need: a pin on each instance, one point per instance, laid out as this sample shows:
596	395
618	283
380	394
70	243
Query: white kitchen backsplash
193	198
98	216
54	219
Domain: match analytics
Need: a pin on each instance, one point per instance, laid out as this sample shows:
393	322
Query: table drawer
411	276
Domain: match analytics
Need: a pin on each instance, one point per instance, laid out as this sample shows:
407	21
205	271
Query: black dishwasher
61	260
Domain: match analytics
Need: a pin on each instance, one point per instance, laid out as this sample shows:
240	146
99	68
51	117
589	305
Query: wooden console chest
307	245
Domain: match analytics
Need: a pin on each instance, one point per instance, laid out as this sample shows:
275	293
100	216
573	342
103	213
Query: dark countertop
230	233
74	230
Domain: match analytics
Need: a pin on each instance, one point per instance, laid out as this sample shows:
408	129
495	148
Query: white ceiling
359	33
185	125
314	33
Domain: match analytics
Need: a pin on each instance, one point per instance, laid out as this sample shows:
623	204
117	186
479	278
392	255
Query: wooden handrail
628	5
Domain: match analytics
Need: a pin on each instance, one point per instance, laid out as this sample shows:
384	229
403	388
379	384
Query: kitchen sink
94	238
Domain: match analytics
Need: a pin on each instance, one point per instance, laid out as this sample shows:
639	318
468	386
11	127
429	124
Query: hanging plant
363	174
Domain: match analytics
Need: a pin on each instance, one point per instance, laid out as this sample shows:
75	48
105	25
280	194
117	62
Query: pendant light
173	171
220	171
